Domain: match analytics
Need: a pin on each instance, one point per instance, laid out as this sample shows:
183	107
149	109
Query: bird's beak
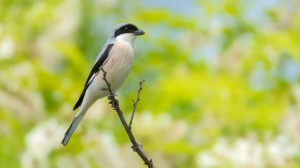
139	32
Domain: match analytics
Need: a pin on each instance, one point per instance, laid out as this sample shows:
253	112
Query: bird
116	58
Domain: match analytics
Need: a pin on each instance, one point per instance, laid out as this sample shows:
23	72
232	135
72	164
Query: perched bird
116	58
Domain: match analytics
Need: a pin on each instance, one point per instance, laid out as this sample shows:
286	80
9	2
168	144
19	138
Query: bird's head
126	32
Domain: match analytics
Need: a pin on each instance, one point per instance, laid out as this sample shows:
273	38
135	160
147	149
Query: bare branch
136	102
137	147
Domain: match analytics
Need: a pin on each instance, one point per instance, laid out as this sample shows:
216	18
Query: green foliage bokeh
217	72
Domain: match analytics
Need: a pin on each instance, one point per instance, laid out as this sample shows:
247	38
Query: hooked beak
139	32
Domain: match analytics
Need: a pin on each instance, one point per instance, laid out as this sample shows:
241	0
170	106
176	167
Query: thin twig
136	102
137	147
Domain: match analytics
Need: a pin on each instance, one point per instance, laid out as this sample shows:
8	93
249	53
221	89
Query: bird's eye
126	28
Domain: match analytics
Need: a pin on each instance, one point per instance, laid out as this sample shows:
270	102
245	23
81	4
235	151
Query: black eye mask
129	28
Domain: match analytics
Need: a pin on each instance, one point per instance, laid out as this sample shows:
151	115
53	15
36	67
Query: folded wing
93	73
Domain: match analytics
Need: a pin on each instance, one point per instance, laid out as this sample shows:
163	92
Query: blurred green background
222	83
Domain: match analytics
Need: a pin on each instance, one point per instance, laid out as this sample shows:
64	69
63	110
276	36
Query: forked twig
137	147
136	102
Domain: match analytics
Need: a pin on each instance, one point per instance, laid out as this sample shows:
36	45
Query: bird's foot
115	94
114	103
112	95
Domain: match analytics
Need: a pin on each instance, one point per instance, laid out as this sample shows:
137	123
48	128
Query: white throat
127	37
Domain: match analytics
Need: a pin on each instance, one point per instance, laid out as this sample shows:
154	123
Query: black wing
95	70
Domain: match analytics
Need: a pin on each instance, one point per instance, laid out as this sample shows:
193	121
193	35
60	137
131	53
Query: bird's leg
114	93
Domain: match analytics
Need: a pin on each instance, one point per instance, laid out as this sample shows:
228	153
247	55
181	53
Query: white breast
119	64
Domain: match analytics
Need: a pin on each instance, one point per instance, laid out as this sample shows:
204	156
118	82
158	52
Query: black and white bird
116	58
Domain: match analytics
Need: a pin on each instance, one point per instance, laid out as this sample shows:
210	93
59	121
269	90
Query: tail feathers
71	129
